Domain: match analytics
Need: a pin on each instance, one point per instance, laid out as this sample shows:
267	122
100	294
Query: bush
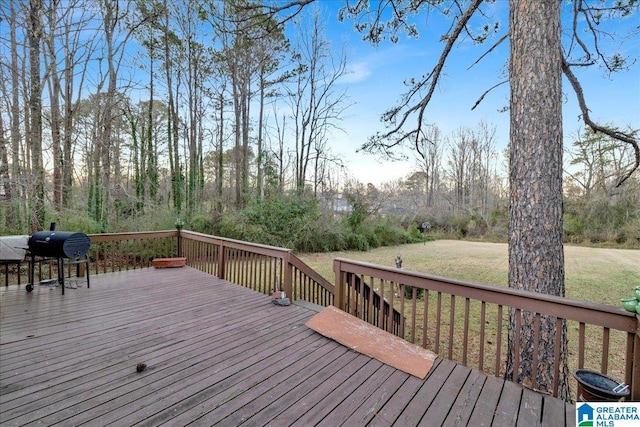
75	221
629	234
285	221
458	225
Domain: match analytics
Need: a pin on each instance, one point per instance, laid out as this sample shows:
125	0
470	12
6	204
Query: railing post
222	260
288	277
339	285
179	243
635	369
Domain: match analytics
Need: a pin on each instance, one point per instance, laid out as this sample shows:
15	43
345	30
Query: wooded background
123	116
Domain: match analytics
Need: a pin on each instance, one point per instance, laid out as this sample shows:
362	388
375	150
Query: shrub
75	221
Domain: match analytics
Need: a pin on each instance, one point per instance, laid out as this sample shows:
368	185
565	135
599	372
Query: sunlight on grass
592	274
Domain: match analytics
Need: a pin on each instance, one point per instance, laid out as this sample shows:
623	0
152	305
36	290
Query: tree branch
487	91
431	80
491	49
613	133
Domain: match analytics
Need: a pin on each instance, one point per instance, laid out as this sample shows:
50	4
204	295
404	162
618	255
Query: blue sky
375	83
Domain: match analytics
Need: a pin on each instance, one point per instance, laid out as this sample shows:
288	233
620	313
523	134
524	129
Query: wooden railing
108	252
259	267
469	322
127	251
458	320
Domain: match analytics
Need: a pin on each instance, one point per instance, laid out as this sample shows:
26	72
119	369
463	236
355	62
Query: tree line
114	108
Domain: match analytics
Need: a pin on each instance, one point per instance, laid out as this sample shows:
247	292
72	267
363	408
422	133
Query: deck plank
362	415
245	396
487	402
530	411
448	399
461	409
394	406
553	410
350	404
217	353
296	391
422	400
333	407
507	410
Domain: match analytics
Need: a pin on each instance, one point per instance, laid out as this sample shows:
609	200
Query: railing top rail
565	308
237	244
109	237
300	265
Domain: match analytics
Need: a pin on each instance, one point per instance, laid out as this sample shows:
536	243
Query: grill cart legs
62	264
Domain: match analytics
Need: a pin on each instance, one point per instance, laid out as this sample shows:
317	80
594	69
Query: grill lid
59	244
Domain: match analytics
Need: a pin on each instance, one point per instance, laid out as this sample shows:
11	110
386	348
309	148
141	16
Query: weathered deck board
218	354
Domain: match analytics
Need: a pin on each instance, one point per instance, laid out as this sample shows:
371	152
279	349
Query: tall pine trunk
536	258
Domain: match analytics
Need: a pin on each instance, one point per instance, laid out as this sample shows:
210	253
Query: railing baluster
381	305
466	331
604	366
498	342
414	298
452	323
483	307
438	317
556	355
516	339
425	319
402	310
581	344
536	347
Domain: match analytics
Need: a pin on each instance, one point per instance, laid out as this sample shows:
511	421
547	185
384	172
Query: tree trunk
4	170
67	148
35	112
14	217
237	109
260	154
55	111
220	168
152	167
172	120
536	259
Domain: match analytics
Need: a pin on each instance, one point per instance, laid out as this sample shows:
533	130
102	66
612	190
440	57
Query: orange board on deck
367	339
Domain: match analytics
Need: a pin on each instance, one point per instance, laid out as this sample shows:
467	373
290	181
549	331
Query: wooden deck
219	354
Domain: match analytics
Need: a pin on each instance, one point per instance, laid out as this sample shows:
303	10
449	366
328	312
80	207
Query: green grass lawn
592	274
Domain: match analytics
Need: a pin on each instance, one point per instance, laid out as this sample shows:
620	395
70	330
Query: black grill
59	244
66	247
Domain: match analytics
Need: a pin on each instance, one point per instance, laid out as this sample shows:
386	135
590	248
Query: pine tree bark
536	255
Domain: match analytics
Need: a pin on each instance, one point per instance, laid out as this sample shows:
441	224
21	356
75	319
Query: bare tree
429	158
34	134
314	98
14	193
459	165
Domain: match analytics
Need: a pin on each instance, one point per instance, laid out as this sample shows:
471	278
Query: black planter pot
596	387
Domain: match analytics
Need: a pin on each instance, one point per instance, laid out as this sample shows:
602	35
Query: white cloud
356	73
